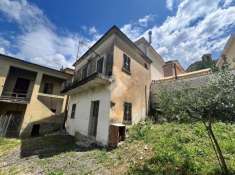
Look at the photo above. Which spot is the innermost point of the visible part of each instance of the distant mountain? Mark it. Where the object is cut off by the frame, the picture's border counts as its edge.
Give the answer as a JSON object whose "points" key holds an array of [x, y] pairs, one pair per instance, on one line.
{"points": [[206, 62]]}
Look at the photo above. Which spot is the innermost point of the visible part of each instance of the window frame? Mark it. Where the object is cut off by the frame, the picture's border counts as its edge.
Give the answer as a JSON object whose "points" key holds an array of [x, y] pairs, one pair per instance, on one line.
{"points": [[73, 111], [126, 67], [127, 113], [100, 59]]}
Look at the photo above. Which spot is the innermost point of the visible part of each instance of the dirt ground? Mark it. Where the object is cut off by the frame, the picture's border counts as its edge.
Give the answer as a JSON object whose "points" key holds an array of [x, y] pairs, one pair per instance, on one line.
{"points": [[59, 155]]}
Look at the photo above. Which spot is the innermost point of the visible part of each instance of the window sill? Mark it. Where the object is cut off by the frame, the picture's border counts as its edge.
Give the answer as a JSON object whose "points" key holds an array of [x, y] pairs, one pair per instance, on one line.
{"points": [[126, 71]]}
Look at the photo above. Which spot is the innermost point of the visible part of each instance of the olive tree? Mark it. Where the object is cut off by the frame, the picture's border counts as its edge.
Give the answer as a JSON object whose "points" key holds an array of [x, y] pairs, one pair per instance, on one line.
{"points": [[212, 101]]}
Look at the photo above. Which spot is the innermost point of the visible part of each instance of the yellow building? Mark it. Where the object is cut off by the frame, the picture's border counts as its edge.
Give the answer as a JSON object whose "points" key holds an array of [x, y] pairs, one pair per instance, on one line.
{"points": [[30, 98]]}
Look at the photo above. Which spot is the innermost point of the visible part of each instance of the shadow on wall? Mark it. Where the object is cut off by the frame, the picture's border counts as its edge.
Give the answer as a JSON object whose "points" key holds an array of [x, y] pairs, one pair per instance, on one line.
{"points": [[44, 126], [36, 145]]}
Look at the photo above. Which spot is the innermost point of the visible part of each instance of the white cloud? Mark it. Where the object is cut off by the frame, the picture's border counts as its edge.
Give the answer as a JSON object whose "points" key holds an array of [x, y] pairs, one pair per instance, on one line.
{"points": [[40, 41], [92, 30], [2, 50], [198, 27], [145, 20], [135, 30], [131, 31], [228, 3], [169, 4], [27, 15]]}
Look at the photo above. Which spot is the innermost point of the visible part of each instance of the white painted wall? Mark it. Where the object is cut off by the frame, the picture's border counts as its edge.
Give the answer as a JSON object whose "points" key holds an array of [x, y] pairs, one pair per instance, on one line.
{"points": [[156, 66], [157, 61], [81, 121]]}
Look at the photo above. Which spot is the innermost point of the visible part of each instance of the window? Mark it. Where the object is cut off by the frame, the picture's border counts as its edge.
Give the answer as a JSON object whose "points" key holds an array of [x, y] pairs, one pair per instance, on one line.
{"points": [[84, 72], [100, 65], [127, 113], [48, 88], [126, 63], [146, 66], [73, 111]]}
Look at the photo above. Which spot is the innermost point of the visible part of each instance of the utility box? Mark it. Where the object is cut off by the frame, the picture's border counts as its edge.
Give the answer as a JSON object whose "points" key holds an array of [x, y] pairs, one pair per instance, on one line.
{"points": [[117, 133]]}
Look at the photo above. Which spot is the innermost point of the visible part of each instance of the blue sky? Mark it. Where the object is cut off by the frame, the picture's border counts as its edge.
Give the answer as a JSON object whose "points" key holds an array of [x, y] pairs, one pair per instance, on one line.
{"points": [[49, 32]]}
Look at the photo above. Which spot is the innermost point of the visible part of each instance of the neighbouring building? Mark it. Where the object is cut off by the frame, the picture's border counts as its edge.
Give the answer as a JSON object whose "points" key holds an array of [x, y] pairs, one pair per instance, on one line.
{"points": [[228, 54], [30, 97], [172, 68], [110, 87]]}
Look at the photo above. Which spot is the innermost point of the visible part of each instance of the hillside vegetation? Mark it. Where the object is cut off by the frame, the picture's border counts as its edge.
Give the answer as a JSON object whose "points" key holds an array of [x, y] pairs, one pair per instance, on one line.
{"points": [[150, 149]]}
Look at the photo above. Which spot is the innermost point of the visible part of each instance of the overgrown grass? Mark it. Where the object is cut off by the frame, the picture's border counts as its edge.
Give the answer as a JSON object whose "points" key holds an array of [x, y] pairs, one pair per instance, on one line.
{"points": [[183, 148], [7, 145], [168, 148]]}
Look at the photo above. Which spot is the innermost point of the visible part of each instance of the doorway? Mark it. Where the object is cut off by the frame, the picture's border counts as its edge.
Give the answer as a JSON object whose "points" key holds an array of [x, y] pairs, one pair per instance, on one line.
{"points": [[93, 118], [35, 130]]}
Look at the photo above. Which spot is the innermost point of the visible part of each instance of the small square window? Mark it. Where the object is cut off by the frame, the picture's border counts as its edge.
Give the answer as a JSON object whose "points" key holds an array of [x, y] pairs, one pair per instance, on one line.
{"points": [[73, 111]]}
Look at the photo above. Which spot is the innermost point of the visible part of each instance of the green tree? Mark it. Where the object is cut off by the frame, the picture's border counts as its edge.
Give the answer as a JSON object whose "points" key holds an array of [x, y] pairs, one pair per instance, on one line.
{"points": [[212, 101]]}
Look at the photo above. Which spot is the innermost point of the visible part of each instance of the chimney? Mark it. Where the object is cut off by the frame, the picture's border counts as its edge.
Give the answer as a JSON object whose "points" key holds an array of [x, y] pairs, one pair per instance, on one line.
{"points": [[150, 37]]}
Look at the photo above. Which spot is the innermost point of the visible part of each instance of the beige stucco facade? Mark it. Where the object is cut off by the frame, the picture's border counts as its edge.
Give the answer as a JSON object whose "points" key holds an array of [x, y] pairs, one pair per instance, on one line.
{"points": [[120, 87], [132, 88], [33, 110]]}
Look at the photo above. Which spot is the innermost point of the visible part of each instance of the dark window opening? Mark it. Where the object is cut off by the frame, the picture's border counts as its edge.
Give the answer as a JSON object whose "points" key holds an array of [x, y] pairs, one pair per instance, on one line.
{"points": [[21, 87], [100, 65], [146, 66], [73, 111], [48, 88], [126, 63], [35, 130], [53, 110], [109, 65], [127, 119], [122, 134]]}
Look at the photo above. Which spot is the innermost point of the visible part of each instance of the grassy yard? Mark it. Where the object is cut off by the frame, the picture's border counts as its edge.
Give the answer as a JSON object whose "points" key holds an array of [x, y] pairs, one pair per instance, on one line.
{"points": [[183, 148], [7, 145], [168, 148]]}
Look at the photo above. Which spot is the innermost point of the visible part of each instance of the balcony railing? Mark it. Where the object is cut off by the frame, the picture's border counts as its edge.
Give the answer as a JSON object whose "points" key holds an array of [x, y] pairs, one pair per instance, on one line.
{"points": [[93, 69], [14, 97]]}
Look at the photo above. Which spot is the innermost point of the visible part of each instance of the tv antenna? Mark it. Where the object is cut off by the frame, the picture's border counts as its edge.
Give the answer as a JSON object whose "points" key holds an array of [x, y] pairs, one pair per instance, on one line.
{"points": [[80, 44]]}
